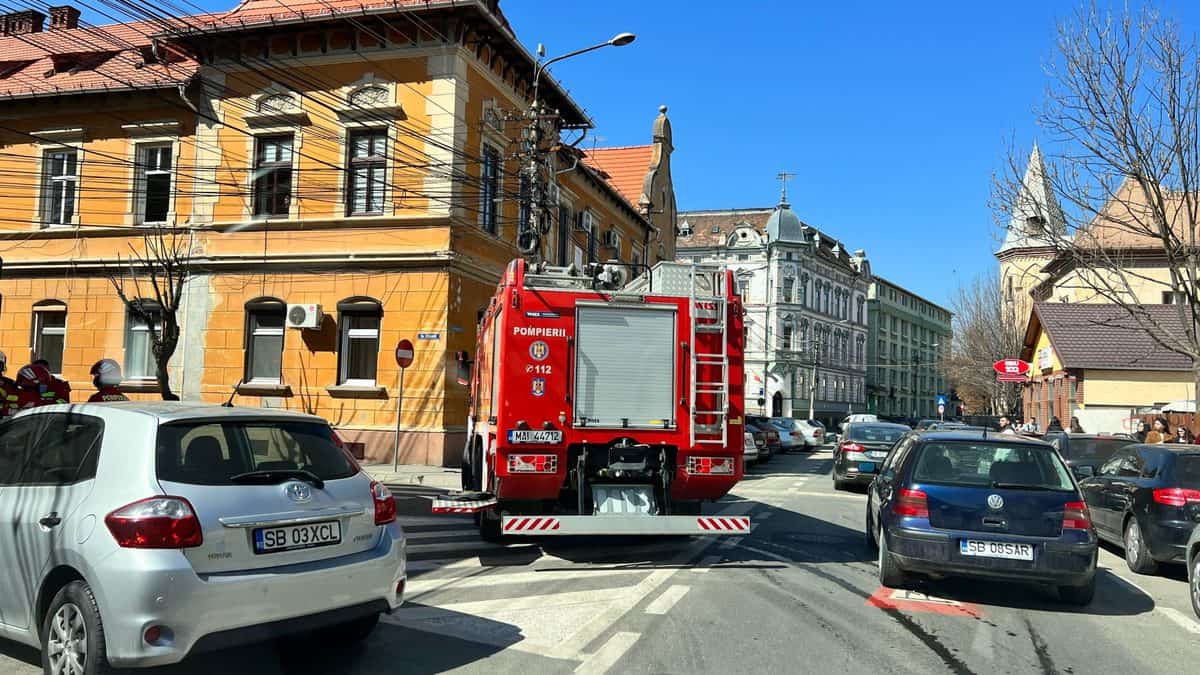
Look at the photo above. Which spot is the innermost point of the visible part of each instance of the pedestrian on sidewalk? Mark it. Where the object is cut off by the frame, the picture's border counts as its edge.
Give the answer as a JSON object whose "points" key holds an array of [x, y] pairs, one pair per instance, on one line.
{"points": [[1142, 431], [1006, 426], [1075, 426], [1160, 432], [1055, 425], [1183, 435]]}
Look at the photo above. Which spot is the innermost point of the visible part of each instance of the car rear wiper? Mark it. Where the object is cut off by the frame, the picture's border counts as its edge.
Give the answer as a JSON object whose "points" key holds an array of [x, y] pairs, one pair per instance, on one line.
{"points": [[1021, 486], [268, 476]]}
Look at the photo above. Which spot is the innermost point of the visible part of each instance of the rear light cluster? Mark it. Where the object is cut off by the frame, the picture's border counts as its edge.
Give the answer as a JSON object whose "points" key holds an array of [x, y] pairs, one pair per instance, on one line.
{"points": [[532, 463], [773, 436], [710, 466], [1076, 516], [1176, 496], [385, 503], [156, 522], [911, 503], [853, 451]]}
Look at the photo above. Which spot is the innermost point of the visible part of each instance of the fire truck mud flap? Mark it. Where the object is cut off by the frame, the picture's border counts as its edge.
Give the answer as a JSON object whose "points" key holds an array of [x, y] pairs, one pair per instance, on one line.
{"points": [[540, 526], [463, 502]]}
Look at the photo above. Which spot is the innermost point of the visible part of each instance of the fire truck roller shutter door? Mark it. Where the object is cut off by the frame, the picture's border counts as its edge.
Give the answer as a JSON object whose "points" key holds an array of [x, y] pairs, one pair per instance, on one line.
{"points": [[625, 365]]}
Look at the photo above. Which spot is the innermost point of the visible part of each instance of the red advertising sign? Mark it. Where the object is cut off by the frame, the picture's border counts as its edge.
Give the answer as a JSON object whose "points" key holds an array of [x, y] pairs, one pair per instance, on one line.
{"points": [[1011, 367], [404, 353]]}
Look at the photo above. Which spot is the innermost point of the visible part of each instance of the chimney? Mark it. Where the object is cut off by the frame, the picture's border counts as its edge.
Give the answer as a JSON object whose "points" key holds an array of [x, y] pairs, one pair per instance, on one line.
{"points": [[24, 22], [64, 17]]}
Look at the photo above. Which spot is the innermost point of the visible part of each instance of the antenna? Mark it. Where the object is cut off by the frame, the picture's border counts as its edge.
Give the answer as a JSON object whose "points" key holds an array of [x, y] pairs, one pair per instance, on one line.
{"points": [[783, 177]]}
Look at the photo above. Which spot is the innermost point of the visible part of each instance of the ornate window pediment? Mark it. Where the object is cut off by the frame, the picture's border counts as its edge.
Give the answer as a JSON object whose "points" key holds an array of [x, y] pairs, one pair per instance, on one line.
{"points": [[278, 103], [277, 109], [369, 97]]}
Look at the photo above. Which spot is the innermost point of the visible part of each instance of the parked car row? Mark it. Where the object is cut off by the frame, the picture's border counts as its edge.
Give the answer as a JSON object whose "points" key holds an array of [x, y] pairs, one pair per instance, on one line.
{"points": [[962, 503], [774, 435], [135, 534]]}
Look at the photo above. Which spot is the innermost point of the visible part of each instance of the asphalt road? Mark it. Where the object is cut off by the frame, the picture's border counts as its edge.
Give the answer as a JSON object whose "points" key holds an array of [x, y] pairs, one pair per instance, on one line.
{"points": [[798, 594]]}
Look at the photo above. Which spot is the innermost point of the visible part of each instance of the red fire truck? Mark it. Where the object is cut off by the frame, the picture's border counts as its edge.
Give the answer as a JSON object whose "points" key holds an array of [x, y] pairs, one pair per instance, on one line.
{"points": [[604, 406]]}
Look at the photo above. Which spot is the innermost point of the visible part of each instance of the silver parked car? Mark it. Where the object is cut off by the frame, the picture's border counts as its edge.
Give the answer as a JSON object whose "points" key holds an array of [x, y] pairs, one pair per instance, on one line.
{"points": [[134, 534], [749, 451]]}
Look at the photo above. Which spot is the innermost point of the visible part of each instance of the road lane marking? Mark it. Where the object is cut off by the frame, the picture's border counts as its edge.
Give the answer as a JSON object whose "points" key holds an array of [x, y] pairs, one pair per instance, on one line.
{"points": [[663, 603], [607, 656], [414, 538], [422, 586], [1179, 618], [912, 601]]}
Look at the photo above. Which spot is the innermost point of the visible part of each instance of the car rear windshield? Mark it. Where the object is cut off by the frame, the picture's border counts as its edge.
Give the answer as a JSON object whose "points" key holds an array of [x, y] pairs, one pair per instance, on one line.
{"points": [[1188, 470], [213, 453], [870, 434], [991, 464], [785, 423], [1094, 448]]}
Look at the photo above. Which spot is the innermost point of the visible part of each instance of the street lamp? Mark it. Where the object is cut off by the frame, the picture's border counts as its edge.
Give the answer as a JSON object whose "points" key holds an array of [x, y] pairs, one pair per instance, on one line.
{"points": [[618, 40]]}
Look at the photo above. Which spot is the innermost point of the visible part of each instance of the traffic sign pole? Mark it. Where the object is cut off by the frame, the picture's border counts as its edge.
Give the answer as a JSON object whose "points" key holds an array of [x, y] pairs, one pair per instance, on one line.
{"points": [[404, 359]]}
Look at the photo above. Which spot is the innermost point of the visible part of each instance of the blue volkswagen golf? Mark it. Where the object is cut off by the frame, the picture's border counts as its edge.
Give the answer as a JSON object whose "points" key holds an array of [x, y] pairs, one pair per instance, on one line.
{"points": [[977, 504]]}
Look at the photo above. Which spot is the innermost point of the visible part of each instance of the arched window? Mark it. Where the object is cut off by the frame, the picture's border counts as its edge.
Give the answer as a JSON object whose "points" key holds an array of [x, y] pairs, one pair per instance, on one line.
{"points": [[367, 97], [804, 289], [50, 333], [263, 340], [358, 343]]}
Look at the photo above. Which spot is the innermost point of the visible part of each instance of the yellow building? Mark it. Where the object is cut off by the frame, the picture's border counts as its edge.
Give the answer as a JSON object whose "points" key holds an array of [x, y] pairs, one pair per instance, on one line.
{"points": [[356, 157], [1091, 361]]}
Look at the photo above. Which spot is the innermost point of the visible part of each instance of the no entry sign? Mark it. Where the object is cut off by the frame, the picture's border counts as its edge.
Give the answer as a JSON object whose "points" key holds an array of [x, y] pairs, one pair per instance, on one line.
{"points": [[1011, 367], [404, 353]]}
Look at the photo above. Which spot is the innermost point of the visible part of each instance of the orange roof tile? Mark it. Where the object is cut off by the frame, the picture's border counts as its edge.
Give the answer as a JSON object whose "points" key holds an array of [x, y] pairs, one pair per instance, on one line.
{"points": [[624, 168]]}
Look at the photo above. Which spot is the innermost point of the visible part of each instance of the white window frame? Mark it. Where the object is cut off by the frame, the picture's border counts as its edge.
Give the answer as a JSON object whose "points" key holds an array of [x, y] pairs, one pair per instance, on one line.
{"points": [[141, 183], [348, 180], [347, 337], [40, 329], [48, 181], [256, 331], [497, 201], [131, 326]]}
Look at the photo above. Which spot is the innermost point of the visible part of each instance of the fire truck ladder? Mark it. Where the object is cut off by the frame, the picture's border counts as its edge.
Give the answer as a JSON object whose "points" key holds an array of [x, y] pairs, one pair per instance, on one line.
{"points": [[713, 430]]}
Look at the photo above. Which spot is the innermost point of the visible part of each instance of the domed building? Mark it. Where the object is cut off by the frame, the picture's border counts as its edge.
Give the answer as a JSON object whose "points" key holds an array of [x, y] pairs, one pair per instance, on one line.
{"points": [[805, 295]]}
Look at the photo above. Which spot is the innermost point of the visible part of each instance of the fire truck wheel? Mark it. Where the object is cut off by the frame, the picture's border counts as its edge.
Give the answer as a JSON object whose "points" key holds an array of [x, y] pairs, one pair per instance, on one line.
{"points": [[489, 526]]}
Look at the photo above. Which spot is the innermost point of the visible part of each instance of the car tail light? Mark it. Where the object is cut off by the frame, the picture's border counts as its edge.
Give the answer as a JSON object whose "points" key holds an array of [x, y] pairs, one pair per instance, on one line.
{"points": [[772, 436], [854, 451], [817, 434], [1176, 496], [385, 503], [710, 466], [532, 463], [156, 522], [1076, 516], [911, 503]]}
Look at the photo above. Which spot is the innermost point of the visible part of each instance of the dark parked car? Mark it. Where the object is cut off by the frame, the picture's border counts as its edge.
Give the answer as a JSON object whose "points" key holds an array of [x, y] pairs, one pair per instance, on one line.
{"points": [[996, 506], [1146, 498], [863, 448], [1085, 453], [1193, 569], [756, 424]]}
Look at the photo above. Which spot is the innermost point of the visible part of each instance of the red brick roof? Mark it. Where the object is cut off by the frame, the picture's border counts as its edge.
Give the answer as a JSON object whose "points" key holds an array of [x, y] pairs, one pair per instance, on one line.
{"points": [[624, 168]]}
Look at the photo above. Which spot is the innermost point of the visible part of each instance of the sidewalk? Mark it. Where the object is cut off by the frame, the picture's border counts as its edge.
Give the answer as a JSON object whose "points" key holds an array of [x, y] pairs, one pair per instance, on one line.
{"points": [[437, 477]]}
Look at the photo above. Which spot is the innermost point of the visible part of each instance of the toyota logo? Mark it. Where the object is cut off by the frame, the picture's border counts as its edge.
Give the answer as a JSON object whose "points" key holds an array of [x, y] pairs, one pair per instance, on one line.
{"points": [[996, 502], [298, 492]]}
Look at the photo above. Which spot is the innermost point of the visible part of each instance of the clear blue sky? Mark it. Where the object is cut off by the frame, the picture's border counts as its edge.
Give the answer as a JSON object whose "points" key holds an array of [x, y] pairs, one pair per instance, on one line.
{"points": [[893, 115]]}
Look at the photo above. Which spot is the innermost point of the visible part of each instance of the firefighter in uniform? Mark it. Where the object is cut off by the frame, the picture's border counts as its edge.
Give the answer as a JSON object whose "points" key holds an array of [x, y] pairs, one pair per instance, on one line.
{"points": [[8, 390], [34, 387], [106, 375], [57, 384]]}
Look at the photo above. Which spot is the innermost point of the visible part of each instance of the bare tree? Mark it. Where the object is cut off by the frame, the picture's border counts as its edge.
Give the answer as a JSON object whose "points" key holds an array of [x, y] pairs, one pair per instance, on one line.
{"points": [[1122, 109], [150, 282], [985, 331]]}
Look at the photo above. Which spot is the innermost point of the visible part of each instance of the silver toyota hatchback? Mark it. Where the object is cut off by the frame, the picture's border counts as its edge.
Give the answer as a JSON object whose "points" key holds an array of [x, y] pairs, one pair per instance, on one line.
{"points": [[134, 534]]}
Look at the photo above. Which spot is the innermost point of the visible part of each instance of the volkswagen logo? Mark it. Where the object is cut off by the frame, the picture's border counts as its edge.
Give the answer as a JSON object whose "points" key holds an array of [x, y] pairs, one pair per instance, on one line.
{"points": [[996, 502], [298, 492]]}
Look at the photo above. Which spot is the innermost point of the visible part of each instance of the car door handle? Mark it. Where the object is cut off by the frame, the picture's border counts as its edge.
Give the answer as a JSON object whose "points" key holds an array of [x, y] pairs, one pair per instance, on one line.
{"points": [[51, 520]]}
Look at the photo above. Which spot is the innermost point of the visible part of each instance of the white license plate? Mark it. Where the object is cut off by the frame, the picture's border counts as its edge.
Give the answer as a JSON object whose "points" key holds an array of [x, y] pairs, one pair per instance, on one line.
{"points": [[877, 454], [996, 549], [535, 436], [294, 537]]}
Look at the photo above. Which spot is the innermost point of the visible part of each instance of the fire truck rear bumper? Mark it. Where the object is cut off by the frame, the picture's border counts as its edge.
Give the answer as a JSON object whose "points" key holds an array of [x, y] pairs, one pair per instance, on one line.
{"points": [[541, 526]]}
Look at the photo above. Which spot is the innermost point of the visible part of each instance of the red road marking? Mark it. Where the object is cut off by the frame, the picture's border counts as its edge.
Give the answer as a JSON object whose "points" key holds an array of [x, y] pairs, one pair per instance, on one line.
{"points": [[887, 598]]}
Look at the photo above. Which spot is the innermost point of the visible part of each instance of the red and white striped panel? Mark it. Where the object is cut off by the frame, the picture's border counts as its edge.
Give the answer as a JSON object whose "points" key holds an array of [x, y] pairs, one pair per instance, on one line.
{"points": [[531, 524], [457, 506], [724, 524]]}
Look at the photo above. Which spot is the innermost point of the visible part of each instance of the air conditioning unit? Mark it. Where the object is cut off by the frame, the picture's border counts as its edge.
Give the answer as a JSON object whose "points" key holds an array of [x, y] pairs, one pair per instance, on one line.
{"points": [[583, 221], [304, 316], [612, 239]]}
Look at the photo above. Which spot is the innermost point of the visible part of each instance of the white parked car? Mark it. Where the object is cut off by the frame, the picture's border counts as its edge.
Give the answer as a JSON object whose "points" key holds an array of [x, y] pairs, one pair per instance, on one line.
{"points": [[856, 418], [135, 534], [750, 451]]}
